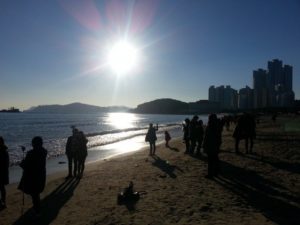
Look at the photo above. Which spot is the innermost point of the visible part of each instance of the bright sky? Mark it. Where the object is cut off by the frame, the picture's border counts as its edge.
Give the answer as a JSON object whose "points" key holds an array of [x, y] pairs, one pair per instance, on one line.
{"points": [[55, 52]]}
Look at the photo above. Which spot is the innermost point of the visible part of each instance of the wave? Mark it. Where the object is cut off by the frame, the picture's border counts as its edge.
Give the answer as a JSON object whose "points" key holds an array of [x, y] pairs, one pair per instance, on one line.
{"points": [[56, 147]]}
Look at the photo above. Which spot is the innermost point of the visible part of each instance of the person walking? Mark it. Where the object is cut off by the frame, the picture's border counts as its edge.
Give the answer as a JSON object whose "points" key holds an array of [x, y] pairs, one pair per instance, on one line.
{"points": [[4, 178], [34, 173], [211, 145], [151, 138]]}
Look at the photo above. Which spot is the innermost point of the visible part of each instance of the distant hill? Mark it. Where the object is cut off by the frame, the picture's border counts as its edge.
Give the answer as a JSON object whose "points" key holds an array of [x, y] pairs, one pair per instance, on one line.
{"points": [[163, 106], [75, 108]]}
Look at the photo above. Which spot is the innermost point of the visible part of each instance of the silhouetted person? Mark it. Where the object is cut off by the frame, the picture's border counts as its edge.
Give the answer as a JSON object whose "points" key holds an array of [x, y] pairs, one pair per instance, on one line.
{"points": [[151, 138], [167, 138], [245, 129], [186, 135], [81, 154], [200, 133], [193, 134], [211, 145], [70, 152], [4, 178], [34, 173]]}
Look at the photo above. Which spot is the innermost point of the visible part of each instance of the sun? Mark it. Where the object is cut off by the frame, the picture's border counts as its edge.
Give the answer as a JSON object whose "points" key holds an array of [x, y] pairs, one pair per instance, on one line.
{"points": [[122, 57]]}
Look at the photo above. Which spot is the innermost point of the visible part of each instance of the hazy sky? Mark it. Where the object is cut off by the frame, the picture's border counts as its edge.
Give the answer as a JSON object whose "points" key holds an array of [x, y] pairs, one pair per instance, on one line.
{"points": [[54, 52]]}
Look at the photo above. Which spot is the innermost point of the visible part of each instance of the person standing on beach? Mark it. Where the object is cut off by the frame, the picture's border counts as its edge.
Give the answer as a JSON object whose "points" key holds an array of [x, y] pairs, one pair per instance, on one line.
{"points": [[193, 134], [151, 138], [70, 153], [4, 178], [81, 155], [167, 138], [245, 129], [186, 135], [34, 173], [200, 132], [211, 144]]}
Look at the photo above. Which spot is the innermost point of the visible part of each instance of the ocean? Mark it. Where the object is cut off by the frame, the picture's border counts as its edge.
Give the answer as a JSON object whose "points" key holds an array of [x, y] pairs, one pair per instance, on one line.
{"points": [[102, 130]]}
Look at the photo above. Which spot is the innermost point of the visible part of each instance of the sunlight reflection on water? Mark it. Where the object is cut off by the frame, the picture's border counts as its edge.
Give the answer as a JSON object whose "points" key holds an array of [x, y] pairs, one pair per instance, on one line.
{"points": [[121, 120]]}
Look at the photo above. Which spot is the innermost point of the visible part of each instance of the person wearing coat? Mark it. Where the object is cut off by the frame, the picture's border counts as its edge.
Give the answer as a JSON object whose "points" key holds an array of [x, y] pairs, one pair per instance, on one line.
{"points": [[211, 144], [151, 138], [4, 178], [34, 172], [81, 154]]}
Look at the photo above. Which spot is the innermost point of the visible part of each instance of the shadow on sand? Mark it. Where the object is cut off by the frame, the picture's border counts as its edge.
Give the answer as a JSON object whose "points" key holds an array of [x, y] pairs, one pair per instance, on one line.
{"points": [[164, 166], [173, 148], [51, 204], [273, 200]]}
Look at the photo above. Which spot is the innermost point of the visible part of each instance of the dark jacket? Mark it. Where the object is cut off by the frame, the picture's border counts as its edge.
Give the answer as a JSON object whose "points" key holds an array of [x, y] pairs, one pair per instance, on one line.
{"points": [[69, 146], [4, 164], [245, 127], [34, 172], [212, 138], [151, 135]]}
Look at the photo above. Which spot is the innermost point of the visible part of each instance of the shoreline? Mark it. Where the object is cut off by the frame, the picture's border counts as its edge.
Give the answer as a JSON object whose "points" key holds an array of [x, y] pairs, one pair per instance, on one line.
{"points": [[261, 188]]}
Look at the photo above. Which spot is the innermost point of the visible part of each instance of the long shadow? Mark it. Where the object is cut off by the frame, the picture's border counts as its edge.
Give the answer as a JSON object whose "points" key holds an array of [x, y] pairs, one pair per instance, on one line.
{"points": [[173, 149], [266, 196], [279, 164], [51, 204], [165, 166]]}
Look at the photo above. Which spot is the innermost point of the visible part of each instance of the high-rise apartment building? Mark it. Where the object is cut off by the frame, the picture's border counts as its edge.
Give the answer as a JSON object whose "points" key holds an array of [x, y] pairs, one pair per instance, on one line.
{"points": [[260, 88], [245, 98], [225, 96], [273, 88]]}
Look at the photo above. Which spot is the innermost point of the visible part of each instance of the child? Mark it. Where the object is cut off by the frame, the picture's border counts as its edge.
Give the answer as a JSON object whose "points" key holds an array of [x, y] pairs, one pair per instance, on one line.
{"points": [[167, 138]]}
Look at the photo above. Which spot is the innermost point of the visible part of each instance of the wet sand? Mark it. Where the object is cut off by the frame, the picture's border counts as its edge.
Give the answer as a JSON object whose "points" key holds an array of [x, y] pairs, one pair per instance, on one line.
{"points": [[261, 188]]}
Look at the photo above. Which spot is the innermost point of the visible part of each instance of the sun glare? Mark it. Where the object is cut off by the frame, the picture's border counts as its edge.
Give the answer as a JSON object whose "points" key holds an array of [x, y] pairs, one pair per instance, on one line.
{"points": [[122, 57], [121, 120]]}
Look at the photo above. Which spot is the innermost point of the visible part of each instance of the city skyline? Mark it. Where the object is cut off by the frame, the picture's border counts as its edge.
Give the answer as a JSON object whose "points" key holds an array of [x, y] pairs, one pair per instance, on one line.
{"points": [[52, 52]]}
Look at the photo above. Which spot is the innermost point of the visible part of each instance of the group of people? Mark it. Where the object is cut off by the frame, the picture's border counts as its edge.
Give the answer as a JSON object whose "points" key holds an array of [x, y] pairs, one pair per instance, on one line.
{"points": [[76, 151], [193, 135], [33, 179]]}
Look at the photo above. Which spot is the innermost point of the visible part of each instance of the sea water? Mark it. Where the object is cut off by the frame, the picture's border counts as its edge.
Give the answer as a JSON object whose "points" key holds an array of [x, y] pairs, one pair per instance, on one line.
{"points": [[111, 133]]}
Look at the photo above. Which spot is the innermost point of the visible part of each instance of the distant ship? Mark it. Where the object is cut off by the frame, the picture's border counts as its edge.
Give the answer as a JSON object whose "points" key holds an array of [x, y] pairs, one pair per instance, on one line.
{"points": [[10, 110]]}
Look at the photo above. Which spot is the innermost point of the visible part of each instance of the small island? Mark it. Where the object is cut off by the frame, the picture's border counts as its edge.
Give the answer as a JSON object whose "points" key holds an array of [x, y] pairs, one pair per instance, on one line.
{"points": [[10, 110]]}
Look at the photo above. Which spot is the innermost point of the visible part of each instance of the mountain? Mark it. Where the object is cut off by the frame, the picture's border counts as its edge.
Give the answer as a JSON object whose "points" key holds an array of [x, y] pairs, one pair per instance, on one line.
{"points": [[75, 108], [163, 106]]}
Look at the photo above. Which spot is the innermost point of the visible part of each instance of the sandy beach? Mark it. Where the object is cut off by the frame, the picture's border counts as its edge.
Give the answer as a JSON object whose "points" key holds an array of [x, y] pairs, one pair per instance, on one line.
{"points": [[261, 188]]}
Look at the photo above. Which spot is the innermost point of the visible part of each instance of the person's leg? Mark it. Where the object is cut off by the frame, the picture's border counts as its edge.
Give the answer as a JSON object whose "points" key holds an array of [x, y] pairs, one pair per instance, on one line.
{"points": [[150, 148], [187, 146], [216, 165], [3, 194], [75, 159], [70, 165], [36, 203], [154, 148]]}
